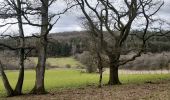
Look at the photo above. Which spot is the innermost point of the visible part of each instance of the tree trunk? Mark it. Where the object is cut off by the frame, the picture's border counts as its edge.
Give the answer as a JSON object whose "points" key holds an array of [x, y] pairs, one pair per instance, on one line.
{"points": [[40, 71], [18, 88], [101, 77], [113, 76], [42, 46], [100, 67], [7, 86]]}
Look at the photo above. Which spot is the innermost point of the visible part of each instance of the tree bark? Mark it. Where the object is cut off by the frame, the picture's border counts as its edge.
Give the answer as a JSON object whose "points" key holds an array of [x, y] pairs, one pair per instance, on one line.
{"points": [[100, 78], [7, 86], [18, 88], [40, 71], [114, 75], [100, 67], [42, 46]]}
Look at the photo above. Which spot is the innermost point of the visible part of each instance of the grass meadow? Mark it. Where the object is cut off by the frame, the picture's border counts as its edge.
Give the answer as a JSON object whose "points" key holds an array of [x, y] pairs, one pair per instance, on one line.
{"points": [[62, 77], [59, 62], [69, 78]]}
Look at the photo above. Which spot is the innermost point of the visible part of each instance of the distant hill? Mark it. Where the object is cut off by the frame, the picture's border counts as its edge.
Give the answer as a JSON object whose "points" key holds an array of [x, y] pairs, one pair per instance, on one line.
{"points": [[70, 43]]}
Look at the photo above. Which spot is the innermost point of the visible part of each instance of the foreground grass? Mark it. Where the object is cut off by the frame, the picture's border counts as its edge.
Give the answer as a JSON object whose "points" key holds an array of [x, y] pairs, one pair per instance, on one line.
{"points": [[60, 78]]}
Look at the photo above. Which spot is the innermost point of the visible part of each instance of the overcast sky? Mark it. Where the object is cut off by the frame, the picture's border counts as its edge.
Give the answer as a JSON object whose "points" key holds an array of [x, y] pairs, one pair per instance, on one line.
{"points": [[71, 22]]}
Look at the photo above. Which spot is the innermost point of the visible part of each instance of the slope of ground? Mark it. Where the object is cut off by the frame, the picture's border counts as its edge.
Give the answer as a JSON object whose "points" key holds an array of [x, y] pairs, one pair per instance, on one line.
{"points": [[59, 62]]}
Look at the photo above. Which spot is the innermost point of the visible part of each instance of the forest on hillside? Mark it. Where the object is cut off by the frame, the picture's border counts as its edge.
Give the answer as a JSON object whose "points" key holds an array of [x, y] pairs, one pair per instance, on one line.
{"points": [[76, 44]]}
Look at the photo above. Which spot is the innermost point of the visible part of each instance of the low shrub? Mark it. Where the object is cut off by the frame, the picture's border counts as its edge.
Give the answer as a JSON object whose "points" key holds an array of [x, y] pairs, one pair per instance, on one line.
{"points": [[150, 61], [88, 61], [68, 66]]}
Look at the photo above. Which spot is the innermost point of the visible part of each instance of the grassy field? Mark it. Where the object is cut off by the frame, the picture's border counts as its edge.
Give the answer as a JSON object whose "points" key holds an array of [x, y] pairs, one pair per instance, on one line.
{"points": [[67, 78], [60, 62]]}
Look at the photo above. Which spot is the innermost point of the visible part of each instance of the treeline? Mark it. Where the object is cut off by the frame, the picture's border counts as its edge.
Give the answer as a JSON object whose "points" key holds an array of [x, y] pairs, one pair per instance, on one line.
{"points": [[64, 44], [70, 43]]}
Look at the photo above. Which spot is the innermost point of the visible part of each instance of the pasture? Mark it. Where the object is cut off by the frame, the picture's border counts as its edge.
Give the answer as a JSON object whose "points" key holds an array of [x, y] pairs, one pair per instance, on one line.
{"points": [[56, 79], [62, 82], [59, 62]]}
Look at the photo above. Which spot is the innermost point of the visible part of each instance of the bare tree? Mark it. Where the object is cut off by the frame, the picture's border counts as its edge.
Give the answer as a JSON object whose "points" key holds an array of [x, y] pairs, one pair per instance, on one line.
{"points": [[115, 20], [27, 9], [42, 46], [7, 85], [18, 89], [12, 9], [46, 25], [95, 47]]}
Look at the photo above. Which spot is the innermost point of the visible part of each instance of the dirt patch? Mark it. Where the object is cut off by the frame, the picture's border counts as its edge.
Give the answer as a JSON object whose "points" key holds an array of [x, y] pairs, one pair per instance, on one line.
{"points": [[148, 91]]}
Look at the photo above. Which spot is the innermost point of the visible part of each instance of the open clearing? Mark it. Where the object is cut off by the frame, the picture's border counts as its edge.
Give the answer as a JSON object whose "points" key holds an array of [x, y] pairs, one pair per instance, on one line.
{"points": [[67, 84], [59, 62]]}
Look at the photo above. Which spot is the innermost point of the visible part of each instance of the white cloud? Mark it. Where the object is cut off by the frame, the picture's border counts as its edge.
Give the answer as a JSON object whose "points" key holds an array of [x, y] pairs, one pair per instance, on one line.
{"points": [[68, 28]]}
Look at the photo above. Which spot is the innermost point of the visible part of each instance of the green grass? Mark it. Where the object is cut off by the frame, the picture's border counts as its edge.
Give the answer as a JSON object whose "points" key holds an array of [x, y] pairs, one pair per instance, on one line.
{"points": [[56, 79], [61, 62]]}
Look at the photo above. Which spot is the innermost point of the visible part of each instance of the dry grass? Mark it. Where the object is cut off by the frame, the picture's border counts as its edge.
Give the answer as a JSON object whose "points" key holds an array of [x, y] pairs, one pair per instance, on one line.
{"points": [[159, 90], [12, 63], [59, 62]]}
